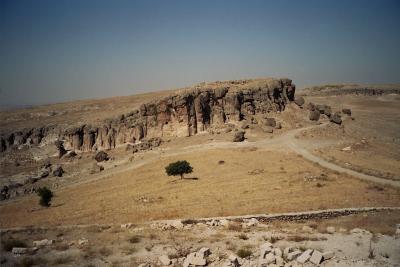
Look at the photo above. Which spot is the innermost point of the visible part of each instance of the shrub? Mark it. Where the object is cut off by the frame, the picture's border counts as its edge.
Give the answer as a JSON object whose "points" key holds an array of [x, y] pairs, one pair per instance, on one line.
{"points": [[45, 195], [243, 236], [178, 168], [244, 253], [134, 239]]}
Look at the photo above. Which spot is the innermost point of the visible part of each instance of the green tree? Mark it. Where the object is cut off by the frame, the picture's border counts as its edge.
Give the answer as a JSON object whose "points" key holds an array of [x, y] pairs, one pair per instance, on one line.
{"points": [[178, 168], [45, 195]]}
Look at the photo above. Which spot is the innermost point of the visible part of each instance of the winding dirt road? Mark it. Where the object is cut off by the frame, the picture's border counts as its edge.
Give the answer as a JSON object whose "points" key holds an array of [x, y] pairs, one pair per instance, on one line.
{"points": [[286, 140]]}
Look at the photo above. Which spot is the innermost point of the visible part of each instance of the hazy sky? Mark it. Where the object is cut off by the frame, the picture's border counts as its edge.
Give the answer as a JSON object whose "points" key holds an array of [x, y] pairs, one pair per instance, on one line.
{"points": [[53, 51]]}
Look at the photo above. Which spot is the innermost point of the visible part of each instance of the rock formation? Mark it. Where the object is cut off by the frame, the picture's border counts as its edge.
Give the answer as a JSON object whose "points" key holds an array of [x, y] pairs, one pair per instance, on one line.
{"points": [[188, 112]]}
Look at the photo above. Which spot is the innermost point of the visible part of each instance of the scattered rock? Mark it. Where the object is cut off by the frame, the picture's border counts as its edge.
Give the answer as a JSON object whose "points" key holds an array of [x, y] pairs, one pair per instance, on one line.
{"points": [[42, 243], [70, 154], [60, 148], [239, 136], [245, 125], [303, 258], [270, 122], [101, 156], [346, 111], [328, 255], [336, 118], [314, 115], [58, 171], [19, 251], [299, 100], [324, 109], [330, 230], [293, 255], [165, 260], [267, 129], [96, 168], [307, 229], [194, 259], [233, 261], [127, 225], [347, 148], [83, 241], [44, 173], [316, 257]]}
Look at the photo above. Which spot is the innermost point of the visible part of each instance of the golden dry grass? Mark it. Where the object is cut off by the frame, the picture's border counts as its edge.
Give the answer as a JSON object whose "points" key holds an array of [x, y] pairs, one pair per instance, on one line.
{"points": [[221, 189]]}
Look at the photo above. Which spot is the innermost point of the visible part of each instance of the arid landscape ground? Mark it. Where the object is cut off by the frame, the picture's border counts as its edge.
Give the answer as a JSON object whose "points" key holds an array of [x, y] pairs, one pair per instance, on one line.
{"points": [[126, 211]]}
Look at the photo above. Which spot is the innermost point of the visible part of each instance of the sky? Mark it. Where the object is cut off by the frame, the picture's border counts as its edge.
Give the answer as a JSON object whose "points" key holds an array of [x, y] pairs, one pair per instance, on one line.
{"points": [[61, 50]]}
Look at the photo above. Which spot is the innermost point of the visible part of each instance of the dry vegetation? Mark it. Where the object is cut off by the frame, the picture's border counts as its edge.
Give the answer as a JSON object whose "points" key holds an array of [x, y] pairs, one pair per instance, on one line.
{"points": [[121, 197]]}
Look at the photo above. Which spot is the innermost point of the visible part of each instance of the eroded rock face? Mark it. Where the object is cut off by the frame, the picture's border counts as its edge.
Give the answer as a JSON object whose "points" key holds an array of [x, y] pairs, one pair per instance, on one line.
{"points": [[185, 113]]}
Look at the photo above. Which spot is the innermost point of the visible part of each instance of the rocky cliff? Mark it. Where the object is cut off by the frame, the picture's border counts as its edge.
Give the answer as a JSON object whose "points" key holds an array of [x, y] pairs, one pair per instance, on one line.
{"points": [[185, 113]]}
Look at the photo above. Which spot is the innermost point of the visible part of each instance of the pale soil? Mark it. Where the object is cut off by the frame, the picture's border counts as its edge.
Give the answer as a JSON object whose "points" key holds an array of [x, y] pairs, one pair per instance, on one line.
{"points": [[109, 245], [270, 182], [76, 112], [377, 121]]}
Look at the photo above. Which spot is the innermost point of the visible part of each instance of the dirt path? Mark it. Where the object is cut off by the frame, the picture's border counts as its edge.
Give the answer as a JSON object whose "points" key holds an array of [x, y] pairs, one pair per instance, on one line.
{"points": [[287, 140]]}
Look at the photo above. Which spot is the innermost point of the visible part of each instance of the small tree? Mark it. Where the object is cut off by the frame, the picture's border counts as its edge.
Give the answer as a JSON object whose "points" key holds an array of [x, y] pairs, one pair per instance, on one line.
{"points": [[45, 195], [178, 168]]}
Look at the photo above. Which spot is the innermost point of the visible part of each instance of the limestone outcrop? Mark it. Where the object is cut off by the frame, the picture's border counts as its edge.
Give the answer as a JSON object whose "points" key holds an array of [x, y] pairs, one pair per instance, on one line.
{"points": [[186, 113]]}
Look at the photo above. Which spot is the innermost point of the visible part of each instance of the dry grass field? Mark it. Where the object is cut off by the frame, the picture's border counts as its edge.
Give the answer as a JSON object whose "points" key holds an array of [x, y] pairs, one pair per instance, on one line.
{"points": [[248, 181]]}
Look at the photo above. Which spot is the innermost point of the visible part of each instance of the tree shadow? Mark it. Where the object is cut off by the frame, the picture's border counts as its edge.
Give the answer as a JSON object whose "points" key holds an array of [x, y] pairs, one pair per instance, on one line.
{"points": [[183, 179]]}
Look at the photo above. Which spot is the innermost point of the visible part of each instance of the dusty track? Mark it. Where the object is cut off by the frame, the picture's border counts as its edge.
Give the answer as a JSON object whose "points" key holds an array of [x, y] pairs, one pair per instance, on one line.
{"points": [[287, 140]]}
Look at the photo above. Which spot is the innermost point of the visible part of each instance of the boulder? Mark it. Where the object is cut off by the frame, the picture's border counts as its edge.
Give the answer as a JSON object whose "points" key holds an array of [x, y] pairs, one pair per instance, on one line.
{"points": [[70, 154], [293, 255], [96, 168], [60, 148], [44, 173], [305, 256], [278, 125], [314, 115], [165, 260], [19, 251], [330, 230], [270, 122], [83, 241], [327, 255], [127, 225], [245, 125], [336, 118], [58, 171], [194, 259], [316, 257], [346, 111], [324, 109], [177, 224], [299, 101], [101, 156], [233, 261], [267, 129], [239, 136], [203, 252], [265, 249], [31, 180], [42, 243], [310, 106]]}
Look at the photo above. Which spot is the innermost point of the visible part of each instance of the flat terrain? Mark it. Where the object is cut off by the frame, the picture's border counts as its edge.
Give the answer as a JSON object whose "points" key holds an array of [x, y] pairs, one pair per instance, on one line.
{"points": [[270, 182]]}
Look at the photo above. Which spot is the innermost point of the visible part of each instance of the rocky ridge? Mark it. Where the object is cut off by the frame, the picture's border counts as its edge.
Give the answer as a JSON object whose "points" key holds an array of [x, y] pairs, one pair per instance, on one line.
{"points": [[350, 89], [188, 112]]}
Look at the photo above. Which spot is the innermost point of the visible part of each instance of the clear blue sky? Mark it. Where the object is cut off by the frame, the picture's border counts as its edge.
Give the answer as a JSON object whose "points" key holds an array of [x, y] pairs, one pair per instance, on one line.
{"points": [[55, 50]]}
